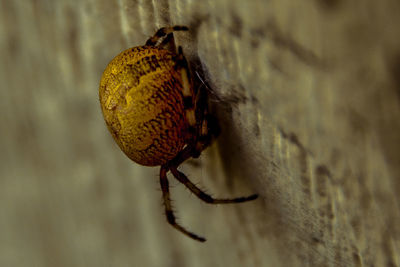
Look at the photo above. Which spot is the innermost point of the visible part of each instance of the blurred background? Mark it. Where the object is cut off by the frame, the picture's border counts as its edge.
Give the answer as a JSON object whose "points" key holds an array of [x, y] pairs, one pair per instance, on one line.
{"points": [[308, 97]]}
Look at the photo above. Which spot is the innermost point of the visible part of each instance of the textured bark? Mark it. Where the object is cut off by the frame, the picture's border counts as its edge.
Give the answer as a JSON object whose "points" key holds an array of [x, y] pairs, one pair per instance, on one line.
{"points": [[308, 96]]}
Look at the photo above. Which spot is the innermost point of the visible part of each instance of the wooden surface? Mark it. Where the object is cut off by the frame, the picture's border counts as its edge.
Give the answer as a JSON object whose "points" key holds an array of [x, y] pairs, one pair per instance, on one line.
{"points": [[308, 96]]}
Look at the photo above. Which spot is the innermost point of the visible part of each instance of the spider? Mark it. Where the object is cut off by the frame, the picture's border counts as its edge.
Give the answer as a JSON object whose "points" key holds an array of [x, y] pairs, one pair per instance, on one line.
{"points": [[156, 116]]}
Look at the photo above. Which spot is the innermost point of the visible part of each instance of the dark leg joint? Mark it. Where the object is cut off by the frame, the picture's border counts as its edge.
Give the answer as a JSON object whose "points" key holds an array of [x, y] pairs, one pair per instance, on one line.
{"points": [[163, 32], [170, 217], [206, 198], [188, 102], [180, 28], [196, 154]]}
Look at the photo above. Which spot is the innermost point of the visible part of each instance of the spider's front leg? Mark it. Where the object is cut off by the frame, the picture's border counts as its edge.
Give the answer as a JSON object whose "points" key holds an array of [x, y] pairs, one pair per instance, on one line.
{"points": [[164, 31]]}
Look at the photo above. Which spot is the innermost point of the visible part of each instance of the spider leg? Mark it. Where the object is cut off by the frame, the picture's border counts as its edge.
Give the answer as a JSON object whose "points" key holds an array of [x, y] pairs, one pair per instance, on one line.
{"points": [[168, 207], [188, 97], [202, 126], [167, 40], [181, 177], [209, 130], [152, 41]]}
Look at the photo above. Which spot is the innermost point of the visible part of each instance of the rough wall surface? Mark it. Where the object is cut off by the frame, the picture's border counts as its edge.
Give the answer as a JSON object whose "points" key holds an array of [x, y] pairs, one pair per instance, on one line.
{"points": [[308, 96]]}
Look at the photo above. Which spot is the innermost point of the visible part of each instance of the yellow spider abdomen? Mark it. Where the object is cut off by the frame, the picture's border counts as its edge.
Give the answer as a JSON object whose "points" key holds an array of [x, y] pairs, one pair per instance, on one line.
{"points": [[142, 103]]}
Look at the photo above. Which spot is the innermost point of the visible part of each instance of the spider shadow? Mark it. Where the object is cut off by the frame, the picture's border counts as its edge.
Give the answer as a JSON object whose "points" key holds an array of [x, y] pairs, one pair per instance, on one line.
{"points": [[244, 170]]}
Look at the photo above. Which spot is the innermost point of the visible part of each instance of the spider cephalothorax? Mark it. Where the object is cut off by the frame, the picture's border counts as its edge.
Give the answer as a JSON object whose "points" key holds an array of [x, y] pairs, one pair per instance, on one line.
{"points": [[155, 115]]}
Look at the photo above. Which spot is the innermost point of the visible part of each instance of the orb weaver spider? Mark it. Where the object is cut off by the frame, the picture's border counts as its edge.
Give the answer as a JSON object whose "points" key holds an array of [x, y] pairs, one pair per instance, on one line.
{"points": [[156, 117]]}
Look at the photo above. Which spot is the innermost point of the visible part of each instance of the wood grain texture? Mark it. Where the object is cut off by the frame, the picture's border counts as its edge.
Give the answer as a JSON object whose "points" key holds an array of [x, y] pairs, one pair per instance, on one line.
{"points": [[308, 95]]}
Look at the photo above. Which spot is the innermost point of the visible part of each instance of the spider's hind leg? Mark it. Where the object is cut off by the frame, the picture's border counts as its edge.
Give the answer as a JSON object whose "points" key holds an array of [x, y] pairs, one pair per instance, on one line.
{"points": [[181, 177], [168, 207]]}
